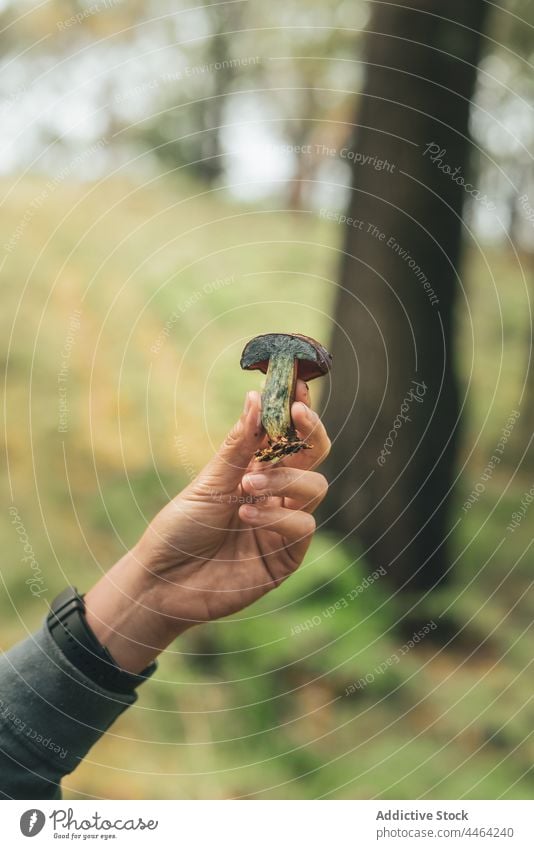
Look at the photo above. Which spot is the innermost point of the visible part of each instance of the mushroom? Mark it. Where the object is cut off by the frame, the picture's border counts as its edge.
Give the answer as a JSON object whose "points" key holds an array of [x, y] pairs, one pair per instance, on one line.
{"points": [[283, 357]]}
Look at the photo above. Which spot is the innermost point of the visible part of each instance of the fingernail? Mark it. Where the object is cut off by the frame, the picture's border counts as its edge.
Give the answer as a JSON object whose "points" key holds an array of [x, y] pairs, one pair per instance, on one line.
{"points": [[248, 402], [251, 512], [312, 416], [258, 481]]}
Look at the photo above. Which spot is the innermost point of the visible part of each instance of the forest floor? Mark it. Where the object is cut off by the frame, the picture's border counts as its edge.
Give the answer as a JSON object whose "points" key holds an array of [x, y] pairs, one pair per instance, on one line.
{"points": [[132, 305]]}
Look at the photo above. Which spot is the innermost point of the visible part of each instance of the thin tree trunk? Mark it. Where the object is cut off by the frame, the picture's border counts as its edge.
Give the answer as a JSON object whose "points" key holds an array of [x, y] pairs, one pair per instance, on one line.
{"points": [[394, 410]]}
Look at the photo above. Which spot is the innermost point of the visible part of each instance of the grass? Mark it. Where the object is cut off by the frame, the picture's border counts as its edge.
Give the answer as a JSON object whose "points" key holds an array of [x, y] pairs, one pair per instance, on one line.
{"points": [[169, 282]]}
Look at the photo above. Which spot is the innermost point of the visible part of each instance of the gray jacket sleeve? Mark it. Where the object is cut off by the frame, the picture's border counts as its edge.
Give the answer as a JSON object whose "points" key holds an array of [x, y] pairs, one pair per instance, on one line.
{"points": [[50, 716]]}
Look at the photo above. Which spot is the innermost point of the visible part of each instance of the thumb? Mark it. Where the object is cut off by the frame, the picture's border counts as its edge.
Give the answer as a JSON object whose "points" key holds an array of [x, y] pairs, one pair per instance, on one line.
{"points": [[224, 472]]}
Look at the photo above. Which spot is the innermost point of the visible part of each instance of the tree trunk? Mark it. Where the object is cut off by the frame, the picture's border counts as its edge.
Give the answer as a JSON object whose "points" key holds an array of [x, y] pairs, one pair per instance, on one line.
{"points": [[394, 411]]}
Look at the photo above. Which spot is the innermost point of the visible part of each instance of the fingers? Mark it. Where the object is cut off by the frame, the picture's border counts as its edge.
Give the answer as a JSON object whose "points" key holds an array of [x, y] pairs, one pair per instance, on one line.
{"points": [[302, 393], [302, 489], [224, 472], [295, 527], [310, 428]]}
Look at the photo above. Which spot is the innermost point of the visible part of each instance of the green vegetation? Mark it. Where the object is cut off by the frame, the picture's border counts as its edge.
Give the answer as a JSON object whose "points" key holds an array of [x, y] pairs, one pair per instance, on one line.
{"points": [[167, 282]]}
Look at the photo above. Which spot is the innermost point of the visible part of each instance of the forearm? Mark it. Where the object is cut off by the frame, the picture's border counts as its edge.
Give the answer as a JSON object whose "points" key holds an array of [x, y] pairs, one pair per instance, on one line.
{"points": [[50, 716], [51, 713], [124, 611]]}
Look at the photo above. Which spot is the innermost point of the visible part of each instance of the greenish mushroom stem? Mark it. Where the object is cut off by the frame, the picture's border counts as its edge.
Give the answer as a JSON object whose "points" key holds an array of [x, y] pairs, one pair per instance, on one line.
{"points": [[277, 398]]}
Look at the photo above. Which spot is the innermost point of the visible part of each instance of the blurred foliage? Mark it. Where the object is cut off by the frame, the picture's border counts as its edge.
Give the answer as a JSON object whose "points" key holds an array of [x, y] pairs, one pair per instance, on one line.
{"points": [[180, 87], [143, 76], [251, 706]]}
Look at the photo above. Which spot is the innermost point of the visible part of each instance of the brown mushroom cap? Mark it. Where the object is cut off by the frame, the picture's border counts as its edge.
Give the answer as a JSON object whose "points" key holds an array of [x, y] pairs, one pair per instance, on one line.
{"points": [[312, 358]]}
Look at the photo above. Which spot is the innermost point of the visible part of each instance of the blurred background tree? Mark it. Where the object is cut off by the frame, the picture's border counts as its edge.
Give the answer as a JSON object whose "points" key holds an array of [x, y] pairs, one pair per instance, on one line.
{"points": [[399, 278]]}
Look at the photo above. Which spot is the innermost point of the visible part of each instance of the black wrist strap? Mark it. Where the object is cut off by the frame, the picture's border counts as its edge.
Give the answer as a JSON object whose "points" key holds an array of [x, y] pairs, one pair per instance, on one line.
{"points": [[71, 632]]}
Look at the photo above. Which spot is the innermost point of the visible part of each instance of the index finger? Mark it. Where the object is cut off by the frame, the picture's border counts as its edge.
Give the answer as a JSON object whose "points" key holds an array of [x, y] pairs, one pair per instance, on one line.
{"points": [[302, 393], [310, 428]]}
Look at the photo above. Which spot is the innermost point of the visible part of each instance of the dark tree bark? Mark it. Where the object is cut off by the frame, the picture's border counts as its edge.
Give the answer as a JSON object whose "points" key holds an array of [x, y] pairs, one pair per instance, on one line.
{"points": [[392, 463]]}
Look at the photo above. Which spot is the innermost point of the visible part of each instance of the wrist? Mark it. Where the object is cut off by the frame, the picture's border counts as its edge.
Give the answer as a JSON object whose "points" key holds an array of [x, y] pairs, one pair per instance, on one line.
{"points": [[123, 612], [67, 625]]}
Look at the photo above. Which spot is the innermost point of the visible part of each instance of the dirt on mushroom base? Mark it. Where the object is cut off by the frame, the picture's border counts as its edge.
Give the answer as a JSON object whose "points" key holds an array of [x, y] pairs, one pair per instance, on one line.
{"points": [[276, 451]]}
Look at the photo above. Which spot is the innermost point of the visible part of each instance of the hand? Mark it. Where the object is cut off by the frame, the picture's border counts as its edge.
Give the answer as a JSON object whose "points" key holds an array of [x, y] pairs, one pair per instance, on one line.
{"points": [[222, 543]]}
